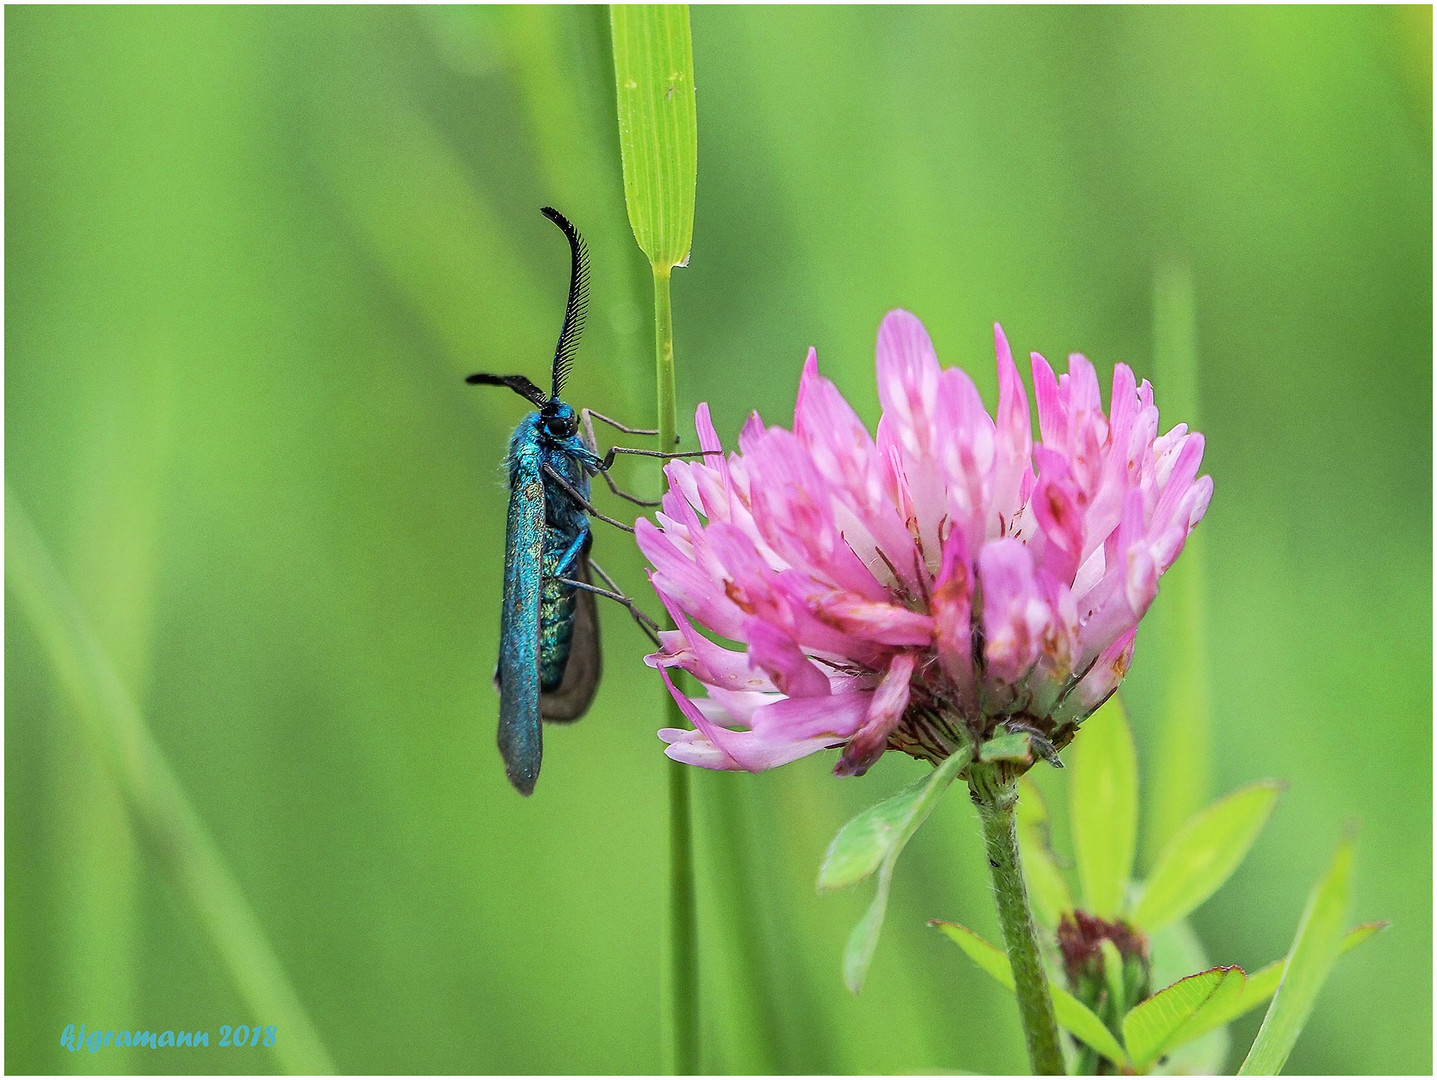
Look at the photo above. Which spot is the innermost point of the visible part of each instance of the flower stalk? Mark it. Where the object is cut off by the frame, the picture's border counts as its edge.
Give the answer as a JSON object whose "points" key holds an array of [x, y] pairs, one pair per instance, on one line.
{"points": [[997, 798]]}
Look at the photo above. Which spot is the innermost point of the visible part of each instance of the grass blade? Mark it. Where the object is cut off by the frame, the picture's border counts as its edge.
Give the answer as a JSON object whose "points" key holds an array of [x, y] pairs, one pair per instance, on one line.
{"points": [[161, 810], [658, 126], [659, 148], [1182, 761], [1314, 950]]}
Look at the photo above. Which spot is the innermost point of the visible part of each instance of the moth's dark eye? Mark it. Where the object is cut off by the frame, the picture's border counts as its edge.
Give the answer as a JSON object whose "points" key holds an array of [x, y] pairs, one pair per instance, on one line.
{"points": [[560, 427]]}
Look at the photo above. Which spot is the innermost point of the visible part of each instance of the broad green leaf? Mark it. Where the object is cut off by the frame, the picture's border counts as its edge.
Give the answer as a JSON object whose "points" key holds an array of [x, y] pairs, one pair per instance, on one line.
{"points": [[658, 126], [1314, 950], [860, 845], [1159, 1023], [1262, 984], [1047, 888], [1071, 1013], [887, 834], [1010, 747], [1204, 854], [1103, 797]]}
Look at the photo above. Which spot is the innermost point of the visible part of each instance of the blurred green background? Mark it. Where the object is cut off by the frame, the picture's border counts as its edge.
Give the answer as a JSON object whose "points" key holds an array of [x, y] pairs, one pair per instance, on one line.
{"points": [[250, 254]]}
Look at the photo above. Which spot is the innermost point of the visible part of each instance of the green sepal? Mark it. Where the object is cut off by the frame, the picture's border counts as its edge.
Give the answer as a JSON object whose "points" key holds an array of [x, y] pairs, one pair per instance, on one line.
{"points": [[1012, 746]]}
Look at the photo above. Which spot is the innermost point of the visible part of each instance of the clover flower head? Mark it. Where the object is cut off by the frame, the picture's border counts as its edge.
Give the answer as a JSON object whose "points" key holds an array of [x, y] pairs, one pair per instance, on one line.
{"points": [[916, 589]]}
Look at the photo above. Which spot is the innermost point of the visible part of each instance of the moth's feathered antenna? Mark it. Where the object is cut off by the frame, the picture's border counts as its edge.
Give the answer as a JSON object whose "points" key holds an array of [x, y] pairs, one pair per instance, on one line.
{"points": [[517, 383], [578, 299]]}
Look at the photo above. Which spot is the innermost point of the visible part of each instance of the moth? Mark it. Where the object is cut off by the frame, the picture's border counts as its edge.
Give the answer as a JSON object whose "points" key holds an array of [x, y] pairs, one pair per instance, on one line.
{"points": [[549, 655]]}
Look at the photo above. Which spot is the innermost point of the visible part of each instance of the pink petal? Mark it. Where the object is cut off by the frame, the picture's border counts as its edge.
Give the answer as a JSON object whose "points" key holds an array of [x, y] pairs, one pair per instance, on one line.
{"points": [[1014, 437], [774, 652], [1055, 504], [1104, 677], [908, 376], [1082, 380], [914, 392], [711, 664], [679, 579], [1052, 416], [845, 454], [885, 710], [952, 606], [722, 739], [1015, 614], [692, 747], [793, 510], [884, 624], [832, 718]]}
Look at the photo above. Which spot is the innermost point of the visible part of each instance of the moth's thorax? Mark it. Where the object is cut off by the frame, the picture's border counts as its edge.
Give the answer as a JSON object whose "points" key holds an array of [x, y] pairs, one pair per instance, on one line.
{"points": [[532, 447]]}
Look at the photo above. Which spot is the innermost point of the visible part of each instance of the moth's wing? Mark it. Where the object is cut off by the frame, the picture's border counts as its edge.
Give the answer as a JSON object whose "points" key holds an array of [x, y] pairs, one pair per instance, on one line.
{"points": [[581, 675], [520, 740]]}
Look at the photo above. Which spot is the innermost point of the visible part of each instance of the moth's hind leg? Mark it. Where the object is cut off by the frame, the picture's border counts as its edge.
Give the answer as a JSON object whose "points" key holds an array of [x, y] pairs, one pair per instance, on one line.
{"points": [[614, 593]]}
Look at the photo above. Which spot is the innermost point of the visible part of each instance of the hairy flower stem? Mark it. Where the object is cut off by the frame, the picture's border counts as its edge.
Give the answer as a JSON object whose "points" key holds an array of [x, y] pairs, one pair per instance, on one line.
{"points": [[683, 909], [997, 800]]}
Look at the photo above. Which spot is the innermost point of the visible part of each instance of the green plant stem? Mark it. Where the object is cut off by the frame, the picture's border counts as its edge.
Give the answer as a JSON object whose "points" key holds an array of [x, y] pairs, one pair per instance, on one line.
{"points": [[997, 800], [683, 907], [664, 360], [683, 922]]}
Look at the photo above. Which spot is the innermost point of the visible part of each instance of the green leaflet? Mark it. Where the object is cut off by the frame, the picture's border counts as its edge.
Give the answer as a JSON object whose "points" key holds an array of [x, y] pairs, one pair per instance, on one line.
{"points": [[860, 846], [873, 841], [1176, 952], [1103, 796], [1204, 854], [1162, 1021]]}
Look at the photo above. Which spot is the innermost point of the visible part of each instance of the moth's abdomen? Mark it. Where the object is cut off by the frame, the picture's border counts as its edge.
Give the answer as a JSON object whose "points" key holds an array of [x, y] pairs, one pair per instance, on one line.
{"points": [[556, 615]]}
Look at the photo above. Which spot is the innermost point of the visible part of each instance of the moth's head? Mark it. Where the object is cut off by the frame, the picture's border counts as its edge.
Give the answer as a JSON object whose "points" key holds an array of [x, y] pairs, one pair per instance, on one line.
{"points": [[559, 419]]}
